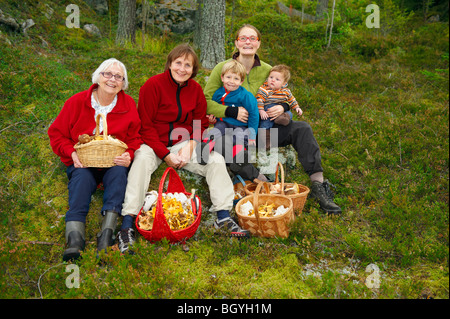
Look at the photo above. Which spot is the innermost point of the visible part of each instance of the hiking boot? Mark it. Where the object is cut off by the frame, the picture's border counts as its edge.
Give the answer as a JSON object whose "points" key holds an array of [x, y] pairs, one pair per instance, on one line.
{"points": [[323, 194], [230, 226], [284, 119], [75, 234], [126, 239], [105, 238]]}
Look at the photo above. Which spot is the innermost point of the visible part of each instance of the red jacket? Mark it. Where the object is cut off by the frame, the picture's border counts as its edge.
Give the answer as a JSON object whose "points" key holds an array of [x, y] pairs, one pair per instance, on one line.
{"points": [[166, 109], [77, 118]]}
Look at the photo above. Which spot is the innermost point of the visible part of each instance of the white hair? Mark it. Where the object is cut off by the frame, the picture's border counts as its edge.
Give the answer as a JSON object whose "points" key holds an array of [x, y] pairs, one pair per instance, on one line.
{"points": [[105, 65]]}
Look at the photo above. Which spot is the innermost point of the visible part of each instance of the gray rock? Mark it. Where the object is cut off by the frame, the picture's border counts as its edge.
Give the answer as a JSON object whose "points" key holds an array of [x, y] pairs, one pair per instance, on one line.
{"points": [[175, 15], [27, 24], [10, 22], [92, 29]]}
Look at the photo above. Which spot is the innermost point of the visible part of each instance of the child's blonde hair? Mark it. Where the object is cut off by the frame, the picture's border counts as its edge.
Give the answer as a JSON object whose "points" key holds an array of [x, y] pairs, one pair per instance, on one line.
{"points": [[284, 70], [235, 67]]}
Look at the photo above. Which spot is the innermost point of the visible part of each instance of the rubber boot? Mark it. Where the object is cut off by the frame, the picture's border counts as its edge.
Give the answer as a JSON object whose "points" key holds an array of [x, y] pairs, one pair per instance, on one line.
{"points": [[75, 240], [105, 238]]}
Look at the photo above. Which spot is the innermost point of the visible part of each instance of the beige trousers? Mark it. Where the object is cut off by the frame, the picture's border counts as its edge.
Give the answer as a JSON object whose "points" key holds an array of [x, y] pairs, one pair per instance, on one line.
{"points": [[146, 162]]}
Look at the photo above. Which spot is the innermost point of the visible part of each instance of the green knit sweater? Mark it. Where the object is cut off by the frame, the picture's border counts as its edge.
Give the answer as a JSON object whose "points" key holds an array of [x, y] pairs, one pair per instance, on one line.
{"points": [[257, 76]]}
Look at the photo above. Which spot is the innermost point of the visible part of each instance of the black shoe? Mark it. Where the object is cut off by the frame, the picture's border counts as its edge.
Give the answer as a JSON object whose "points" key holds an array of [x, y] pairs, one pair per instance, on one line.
{"points": [[246, 170], [75, 241], [230, 226], [126, 239], [323, 194]]}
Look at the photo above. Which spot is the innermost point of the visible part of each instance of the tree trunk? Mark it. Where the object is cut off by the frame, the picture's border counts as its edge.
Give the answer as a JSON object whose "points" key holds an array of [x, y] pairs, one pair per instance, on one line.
{"points": [[331, 26], [145, 6], [126, 28], [198, 24], [232, 18], [426, 7], [212, 39]]}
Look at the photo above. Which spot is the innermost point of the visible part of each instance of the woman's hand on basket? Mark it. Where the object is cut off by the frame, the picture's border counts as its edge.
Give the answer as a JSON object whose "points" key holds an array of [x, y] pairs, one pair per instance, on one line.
{"points": [[76, 160], [123, 160]]}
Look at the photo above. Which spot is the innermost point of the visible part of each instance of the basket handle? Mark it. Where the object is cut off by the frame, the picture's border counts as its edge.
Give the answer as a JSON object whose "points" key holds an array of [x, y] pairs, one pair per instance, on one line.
{"points": [[97, 126], [255, 201], [240, 180], [175, 185], [282, 177]]}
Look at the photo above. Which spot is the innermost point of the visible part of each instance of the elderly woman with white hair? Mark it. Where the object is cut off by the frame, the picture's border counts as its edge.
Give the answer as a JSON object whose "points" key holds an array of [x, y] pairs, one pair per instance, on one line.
{"points": [[106, 95]]}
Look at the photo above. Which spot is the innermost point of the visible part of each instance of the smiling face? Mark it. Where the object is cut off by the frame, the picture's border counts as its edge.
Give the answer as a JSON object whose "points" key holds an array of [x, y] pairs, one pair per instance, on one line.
{"points": [[182, 68], [247, 47], [276, 80], [231, 81], [111, 86]]}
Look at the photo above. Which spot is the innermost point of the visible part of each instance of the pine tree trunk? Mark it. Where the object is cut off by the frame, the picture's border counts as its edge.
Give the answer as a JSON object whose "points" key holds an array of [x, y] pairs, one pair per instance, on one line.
{"points": [[126, 28], [212, 40], [198, 24]]}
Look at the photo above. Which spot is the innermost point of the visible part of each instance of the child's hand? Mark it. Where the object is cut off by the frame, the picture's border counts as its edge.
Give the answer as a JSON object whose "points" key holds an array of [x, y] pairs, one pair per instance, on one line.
{"points": [[252, 142], [299, 111], [263, 115], [212, 119]]}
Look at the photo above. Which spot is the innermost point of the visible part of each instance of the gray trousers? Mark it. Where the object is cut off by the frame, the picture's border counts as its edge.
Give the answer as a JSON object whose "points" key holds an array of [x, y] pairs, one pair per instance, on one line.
{"points": [[146, 162]]}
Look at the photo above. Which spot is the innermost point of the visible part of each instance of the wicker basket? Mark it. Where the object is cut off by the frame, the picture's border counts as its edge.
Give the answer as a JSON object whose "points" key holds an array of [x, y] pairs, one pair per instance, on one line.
{"points": [[100, 153], [277, 226], [161, 228], [298, 199]]}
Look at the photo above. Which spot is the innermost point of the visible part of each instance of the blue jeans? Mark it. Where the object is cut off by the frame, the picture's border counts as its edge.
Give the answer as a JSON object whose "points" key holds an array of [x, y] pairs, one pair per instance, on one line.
{"points": [[83, 183], [268, 123]]}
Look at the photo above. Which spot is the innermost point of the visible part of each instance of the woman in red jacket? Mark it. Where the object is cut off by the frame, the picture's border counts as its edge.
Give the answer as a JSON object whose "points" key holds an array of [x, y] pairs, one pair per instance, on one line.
{"points": [[172, 109], [77, 117]]}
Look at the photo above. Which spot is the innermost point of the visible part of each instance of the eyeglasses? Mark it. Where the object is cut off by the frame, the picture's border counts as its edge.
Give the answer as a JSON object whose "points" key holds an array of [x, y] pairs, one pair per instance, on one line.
{"points": [[243, 38], [109, 75]]}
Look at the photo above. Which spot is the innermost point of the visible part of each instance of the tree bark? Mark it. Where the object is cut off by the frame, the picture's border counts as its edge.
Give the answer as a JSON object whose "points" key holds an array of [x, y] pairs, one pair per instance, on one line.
{"points": [[126, 28], [212, 34], [331, 26], [198, 24], [145, 6]]}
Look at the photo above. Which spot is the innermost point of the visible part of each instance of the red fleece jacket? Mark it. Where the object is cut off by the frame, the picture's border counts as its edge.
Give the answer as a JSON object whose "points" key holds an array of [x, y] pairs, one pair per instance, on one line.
{"points": [[77, 118], [167, 111]]}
